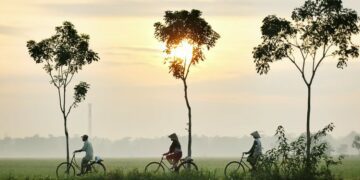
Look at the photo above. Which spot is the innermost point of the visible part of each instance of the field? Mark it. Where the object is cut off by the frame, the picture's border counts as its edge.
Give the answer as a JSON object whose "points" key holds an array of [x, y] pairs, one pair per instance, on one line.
{"points": [[35, 168]]}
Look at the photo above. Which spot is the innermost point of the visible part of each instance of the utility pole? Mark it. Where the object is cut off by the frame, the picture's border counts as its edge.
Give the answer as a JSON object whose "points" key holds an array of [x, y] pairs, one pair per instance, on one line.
{"points": [[89, 117]]}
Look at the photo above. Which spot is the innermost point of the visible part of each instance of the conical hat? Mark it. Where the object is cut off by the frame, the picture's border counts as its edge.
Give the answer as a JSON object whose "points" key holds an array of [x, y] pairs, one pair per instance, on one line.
{"points": [[173, 136], [255, 134]]}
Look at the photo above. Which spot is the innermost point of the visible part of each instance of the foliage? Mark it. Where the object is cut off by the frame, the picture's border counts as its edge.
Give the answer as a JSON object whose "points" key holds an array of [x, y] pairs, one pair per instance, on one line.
{"points": [[288, 159], [80, 92], [189, 26], [356, 143], [316, 28], [62, 56]]}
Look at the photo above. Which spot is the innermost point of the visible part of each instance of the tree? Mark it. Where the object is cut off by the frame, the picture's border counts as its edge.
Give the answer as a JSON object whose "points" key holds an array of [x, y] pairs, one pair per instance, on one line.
{"points": [[186, 30], [319, 29], [62, 56], [356, 143]]}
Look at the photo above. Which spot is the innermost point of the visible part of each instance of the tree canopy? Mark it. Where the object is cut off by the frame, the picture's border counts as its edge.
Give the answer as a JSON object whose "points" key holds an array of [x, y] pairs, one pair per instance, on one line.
{"points": [[318, 25], [189, 26]]}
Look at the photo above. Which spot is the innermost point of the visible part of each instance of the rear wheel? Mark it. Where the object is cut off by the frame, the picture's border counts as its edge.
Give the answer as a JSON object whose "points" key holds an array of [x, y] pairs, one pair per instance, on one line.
{"points": [[65, 170], [187, 166], [154, 167], [233, 169], [97, 168]]}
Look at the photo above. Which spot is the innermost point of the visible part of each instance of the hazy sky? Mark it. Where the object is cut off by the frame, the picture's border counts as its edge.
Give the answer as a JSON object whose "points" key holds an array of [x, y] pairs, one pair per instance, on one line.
{"points": [[133, 94]]}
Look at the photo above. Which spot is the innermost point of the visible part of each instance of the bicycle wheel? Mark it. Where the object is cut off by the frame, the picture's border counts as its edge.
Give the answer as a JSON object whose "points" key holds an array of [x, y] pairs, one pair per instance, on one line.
{"points": [[187, 166], [233, 168], [62, 171], [97, 168], [154, 167]]}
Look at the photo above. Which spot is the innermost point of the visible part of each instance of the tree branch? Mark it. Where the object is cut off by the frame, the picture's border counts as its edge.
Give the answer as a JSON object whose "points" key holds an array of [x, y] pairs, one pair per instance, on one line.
{"points": [[301, 72], [72, 75], [325, 51], [188, 70], [59, 93], [72, 105], [293, 61], [51, 76]]}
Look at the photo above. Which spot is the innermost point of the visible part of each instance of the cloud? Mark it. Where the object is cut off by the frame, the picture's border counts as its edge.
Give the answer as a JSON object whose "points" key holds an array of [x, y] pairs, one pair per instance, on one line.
{"points": [[157, 7], [10, 30], [138, 49]]}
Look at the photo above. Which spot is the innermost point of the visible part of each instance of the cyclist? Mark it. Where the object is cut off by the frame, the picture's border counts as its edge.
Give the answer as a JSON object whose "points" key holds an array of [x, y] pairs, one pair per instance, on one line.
{"points": [[255, 151], [174, 154], [89, 153]]}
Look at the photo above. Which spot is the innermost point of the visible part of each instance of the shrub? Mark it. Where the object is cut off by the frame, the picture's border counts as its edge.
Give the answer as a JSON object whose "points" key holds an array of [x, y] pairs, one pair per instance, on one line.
{"points": [[288, 160]]}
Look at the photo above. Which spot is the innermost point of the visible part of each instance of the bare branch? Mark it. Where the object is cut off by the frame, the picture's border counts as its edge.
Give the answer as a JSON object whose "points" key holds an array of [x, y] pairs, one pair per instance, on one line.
{"points": [[325, 51], [72, 105], [301, 72], [293, 61], [188, 70], [59, 93], [72, 75], [51, 76]]}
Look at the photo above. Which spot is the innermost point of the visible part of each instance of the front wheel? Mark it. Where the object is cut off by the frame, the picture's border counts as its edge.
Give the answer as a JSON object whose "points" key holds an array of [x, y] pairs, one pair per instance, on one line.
{"points": [[154, 167], [233, 168], [65, 170], [97, 168], [187, 166]]}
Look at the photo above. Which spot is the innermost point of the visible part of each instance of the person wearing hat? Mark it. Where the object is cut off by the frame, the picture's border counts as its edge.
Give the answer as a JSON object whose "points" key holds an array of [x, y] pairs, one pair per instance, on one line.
{"points": [[255, 151], [174, 154], [89, 153]]}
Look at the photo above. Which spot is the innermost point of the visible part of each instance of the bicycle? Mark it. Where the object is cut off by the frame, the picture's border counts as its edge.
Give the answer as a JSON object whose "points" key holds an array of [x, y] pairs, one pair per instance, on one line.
{"points": [[186, 164], [236, 167], [65, 170]]}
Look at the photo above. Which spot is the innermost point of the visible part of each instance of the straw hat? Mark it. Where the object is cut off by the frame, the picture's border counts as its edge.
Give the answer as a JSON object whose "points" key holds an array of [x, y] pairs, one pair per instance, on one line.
{"points": [[173, 136], [255, 134]]}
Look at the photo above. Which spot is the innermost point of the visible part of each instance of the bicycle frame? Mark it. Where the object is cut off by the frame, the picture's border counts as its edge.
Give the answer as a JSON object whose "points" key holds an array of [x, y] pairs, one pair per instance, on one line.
{"points": [[243, 162], [164, 164]]}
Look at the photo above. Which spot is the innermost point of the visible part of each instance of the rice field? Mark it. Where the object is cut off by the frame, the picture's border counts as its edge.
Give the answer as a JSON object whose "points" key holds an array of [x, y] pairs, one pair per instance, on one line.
{"points": [[45, 168]]}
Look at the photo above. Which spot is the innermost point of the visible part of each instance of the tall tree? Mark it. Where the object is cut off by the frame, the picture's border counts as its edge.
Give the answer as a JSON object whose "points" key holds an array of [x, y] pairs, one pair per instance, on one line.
{"points": [[188, 30], [356, 143], [62, 56], [319, 29]]}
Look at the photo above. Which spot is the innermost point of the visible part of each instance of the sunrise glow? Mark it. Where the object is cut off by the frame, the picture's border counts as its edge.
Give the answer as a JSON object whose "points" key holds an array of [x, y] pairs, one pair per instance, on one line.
{"points": [[183, 51]]}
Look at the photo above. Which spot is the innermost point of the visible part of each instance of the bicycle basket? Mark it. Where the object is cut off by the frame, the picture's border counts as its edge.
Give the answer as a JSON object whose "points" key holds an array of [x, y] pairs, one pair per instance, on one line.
{"points": [[98, 159]]}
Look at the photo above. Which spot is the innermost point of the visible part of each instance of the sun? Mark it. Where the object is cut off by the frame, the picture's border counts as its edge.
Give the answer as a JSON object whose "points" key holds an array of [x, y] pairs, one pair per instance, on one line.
{"points": [[184, 51]]}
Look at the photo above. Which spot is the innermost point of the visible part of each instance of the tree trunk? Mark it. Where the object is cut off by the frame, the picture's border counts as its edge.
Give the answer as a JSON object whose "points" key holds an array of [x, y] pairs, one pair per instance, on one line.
{"points": [[67, 143], [189, 115], [308, 137]]}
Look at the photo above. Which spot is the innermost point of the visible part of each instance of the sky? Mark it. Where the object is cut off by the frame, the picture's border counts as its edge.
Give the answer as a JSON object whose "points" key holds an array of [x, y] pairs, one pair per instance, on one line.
{"points": [[133, 95]]}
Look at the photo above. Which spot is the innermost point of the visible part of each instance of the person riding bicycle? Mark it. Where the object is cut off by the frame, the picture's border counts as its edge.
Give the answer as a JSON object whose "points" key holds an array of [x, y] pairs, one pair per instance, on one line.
{"points": [[89, 153], [255, 151], [174, 154]]}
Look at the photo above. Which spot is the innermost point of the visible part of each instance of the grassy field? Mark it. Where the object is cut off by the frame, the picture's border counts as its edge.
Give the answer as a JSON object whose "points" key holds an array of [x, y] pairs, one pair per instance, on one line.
{"points": [[22, 168]]}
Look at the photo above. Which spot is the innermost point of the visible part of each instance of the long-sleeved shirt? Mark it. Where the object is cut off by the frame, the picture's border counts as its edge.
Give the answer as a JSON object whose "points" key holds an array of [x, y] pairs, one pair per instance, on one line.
{"points": [[256, 148], [174, 147], [88, 150]]}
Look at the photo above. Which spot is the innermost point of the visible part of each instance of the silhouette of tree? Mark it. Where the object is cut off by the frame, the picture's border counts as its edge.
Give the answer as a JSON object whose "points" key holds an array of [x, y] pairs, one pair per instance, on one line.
{"points": [[185, 26], [356, 143], [63, 55], [319, 29]]}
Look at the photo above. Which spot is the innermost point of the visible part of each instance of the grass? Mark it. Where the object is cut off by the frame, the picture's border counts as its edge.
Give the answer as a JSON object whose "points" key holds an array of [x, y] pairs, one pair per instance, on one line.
{"points": [[212, 168]]}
